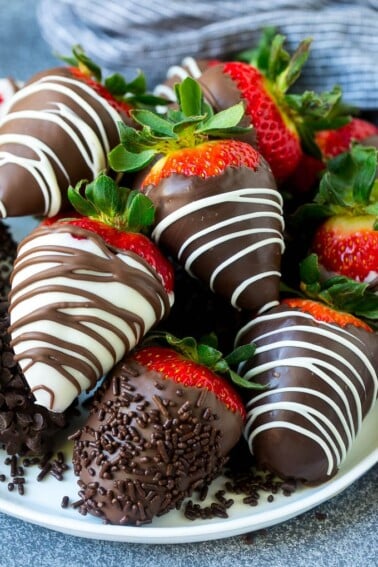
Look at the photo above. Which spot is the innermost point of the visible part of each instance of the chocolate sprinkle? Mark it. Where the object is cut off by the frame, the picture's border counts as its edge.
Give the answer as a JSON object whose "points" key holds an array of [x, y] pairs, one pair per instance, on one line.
{"points": [[134, 464]]}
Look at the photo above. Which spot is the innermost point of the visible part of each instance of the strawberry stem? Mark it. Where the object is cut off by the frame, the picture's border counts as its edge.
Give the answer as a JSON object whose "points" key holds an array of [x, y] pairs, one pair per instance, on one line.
{"points": [[192, 124], [133, 92], [119, 207], [339, 292]]}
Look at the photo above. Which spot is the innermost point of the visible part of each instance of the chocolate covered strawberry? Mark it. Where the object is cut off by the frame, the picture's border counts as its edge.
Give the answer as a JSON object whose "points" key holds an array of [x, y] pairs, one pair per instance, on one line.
{"points": [[217, 207], [85, 290], [58, 129], [283, 122], [160, 426], [320, 366]]}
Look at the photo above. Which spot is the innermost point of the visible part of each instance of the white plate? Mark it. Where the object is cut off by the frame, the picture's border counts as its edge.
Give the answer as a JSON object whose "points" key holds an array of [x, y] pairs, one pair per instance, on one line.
{"points": [[41, 503]]}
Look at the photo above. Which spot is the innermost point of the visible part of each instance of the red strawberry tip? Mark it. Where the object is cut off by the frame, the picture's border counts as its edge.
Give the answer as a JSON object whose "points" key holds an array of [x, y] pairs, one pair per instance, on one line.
{"points": [[326, 314], [173, 365], [206, 353]]}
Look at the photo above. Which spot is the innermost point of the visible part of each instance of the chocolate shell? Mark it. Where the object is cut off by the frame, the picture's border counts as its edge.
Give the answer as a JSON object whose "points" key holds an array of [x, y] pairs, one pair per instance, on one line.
{"points": [[225, 230], [57, 131], [323, 382], [148, 444], [76, 307], [8, 87]]}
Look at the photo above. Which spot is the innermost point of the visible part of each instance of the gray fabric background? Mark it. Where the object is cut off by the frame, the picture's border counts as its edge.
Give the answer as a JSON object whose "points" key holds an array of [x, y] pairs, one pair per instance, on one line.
{"points": [[125, 35]]}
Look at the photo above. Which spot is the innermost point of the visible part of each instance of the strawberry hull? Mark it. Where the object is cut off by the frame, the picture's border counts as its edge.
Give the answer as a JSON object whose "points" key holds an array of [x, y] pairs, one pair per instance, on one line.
{"points": [[323, 383], [165, 441], [224, 230], [76, 307], [56, 132]]}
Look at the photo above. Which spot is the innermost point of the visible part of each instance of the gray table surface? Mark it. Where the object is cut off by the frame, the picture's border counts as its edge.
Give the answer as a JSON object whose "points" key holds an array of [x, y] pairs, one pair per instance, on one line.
{"points": [[347, 534]]}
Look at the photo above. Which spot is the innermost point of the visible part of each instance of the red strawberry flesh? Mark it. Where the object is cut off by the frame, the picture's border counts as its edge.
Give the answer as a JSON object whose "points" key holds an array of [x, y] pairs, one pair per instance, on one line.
{"points": [[130, 241], [334, 142], [205, 160], [174, 366], [277, 138], [348, 246], [322, 312]]}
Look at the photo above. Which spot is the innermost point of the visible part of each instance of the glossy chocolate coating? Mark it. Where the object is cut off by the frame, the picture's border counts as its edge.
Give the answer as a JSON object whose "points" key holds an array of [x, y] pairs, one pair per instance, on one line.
{"points": [[149, 443], [323, 382], [225, 230], [56, 132], [76, 307], [221, 92]]}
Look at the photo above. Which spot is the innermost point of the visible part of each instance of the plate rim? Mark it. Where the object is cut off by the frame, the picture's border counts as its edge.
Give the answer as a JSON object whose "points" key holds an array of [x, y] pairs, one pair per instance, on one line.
{"points": [[200, 531]]}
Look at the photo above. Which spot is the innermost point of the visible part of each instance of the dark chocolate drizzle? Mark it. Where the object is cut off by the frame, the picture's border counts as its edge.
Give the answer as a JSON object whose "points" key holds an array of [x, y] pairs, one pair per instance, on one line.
{"points": [[56, 132], [76, 276]]}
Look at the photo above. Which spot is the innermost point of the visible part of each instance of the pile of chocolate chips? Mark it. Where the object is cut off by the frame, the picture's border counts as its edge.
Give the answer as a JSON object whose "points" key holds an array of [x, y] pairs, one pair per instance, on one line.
{"points": [[25, 428], [8, 249]]}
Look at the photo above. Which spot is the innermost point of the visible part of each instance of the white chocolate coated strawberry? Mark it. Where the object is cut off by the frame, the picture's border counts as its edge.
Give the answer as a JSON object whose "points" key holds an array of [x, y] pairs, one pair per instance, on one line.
{"points": [[76, 308]]}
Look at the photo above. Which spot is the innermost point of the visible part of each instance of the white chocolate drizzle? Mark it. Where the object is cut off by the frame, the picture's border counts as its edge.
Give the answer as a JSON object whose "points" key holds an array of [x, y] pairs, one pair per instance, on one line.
{"points": [[326, 366], [91, 142], [270, 203]]}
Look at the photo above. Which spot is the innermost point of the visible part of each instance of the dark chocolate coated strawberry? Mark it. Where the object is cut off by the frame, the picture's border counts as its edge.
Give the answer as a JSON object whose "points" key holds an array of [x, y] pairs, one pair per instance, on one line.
{"points": [[218, 211], [320, 366], [161, 426]]}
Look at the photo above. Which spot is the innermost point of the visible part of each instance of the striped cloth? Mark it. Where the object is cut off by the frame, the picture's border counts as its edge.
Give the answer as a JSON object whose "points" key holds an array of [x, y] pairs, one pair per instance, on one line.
{"points": [[151, 35]]}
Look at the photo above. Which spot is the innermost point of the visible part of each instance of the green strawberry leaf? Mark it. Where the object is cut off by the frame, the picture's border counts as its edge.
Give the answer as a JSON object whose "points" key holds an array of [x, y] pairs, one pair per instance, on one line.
{"points": [[365, 159], [339, 292], [279, 58], [290, 74], [80, 58], [122, 160], [160, 126], [208, 355], [138, 85], [259, 57], [116, 85], [244, 383], [80, 203], [240, 354], [115, 206], [189, 96], [224, 119], [140, 211], [349, 182], [104, 195]]}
